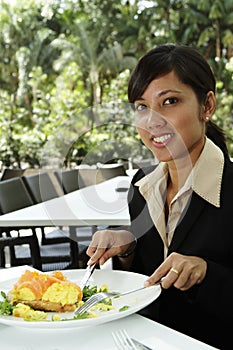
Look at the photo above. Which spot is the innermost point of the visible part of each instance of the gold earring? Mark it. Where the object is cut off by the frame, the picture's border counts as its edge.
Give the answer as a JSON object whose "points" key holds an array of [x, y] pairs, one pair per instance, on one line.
{"points": [[207, 119]]}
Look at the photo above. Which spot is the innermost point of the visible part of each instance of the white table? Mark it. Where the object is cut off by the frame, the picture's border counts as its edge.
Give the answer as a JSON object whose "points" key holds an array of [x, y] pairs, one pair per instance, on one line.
{"points": [[99, 337], [93, 205]]}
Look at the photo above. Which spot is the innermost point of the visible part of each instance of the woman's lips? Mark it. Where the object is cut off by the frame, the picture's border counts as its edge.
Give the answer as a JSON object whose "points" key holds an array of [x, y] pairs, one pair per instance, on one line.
{"points": [[162, 140]]}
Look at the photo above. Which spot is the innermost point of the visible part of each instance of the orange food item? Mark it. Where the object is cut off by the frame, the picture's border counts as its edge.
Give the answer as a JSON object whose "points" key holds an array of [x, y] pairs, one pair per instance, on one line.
{"points": [[51, 292]]}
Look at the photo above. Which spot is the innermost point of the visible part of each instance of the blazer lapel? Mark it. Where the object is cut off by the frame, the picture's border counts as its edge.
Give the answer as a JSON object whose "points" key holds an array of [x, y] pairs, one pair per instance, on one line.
{"points": [[188, 218]]}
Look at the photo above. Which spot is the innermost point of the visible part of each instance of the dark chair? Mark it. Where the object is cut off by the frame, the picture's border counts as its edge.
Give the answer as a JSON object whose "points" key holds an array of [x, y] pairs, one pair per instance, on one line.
{"points": [[102, 173], [108, 171], [89, 176], [41, 188], [14, 196], [69, 180], [9, 173], [61, 247], [13, 242]]}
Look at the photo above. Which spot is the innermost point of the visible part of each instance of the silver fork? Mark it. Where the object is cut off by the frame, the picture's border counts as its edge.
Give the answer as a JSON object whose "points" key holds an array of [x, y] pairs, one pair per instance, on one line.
{"points": [[123, 341], [98, 297]]}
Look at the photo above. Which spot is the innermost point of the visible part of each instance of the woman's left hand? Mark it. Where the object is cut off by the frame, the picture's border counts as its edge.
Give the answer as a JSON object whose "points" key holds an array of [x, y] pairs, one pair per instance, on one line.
{"points": [[181, 271]]}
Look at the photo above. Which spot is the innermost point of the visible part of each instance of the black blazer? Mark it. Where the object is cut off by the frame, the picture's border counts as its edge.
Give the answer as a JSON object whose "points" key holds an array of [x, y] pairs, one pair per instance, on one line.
{"points": [[205, 311]]}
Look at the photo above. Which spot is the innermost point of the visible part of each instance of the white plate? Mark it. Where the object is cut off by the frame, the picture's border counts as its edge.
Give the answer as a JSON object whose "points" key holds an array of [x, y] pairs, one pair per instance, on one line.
{"points": [[116, 281]]}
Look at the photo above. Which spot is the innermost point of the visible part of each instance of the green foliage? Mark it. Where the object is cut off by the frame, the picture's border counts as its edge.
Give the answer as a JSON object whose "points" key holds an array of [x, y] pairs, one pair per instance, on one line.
{"points": [[64, 67]]}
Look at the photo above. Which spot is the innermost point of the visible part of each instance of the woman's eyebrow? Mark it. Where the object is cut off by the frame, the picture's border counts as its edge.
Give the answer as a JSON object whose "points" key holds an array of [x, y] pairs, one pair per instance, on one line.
{"points": [[167, 91], [160, 93]]}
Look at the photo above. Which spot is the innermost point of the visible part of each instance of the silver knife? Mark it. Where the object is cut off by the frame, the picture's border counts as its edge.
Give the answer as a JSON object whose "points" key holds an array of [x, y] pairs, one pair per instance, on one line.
{"points": [[89, 271], [139, 345]]}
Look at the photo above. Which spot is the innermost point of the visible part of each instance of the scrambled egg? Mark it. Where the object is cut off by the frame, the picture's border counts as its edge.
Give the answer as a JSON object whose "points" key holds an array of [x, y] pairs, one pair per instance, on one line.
{"points": [[102, 307], [28, 314], [61, 293], [23, 294], [56, 318]]}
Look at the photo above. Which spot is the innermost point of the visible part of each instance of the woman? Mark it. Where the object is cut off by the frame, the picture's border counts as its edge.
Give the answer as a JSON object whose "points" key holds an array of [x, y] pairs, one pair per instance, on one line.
{"points": [[181, 216]]}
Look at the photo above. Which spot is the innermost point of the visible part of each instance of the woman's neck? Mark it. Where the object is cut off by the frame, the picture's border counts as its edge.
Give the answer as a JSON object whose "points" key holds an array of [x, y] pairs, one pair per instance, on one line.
{"points": [[176, 179], [180, 168]]}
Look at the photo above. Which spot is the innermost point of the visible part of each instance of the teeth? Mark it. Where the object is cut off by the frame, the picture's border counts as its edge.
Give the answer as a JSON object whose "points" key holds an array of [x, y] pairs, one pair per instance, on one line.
{"points": [[162, 139]]}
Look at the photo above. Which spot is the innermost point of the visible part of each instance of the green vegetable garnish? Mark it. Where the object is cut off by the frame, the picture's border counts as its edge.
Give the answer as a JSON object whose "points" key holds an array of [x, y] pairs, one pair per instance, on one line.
{"points": [[6, 308], [82, 316], [123, 308], [88, 292], [107, 301]]}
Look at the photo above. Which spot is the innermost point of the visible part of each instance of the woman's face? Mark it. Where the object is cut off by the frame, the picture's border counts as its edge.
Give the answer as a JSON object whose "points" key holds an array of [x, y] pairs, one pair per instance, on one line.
{"points": [[169, 119]]}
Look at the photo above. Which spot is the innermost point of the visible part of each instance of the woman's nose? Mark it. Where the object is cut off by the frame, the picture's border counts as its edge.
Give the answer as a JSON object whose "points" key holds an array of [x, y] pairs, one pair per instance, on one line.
{"points": [[155, 120]]}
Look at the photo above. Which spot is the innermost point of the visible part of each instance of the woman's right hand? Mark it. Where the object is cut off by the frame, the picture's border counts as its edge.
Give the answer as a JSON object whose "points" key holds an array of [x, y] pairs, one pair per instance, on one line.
{"points": [[108, 243]]}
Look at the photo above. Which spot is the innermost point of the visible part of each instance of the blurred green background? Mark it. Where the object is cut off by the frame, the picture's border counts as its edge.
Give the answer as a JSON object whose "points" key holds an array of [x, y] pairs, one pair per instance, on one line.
{"points": [[64, 67]]}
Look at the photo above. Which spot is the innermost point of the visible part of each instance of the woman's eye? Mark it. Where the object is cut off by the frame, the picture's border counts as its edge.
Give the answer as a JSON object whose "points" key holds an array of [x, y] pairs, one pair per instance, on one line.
{"points": [[140, 107], [170, 101]]}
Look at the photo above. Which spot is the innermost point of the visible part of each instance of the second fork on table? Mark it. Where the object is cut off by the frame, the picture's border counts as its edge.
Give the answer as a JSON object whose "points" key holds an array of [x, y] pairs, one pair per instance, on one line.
{"points": [[123, 341]]}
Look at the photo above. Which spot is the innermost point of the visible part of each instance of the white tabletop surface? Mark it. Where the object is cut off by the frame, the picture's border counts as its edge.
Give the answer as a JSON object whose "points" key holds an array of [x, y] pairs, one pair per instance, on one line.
{"points": [[100, 204], [99, 337]]}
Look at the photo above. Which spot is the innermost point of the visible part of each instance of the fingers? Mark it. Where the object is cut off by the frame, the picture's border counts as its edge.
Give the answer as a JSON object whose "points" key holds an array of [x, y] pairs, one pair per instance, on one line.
{"points": [[101, 255], [179, 271], [95, 254], [189, 279], [108, 243]]}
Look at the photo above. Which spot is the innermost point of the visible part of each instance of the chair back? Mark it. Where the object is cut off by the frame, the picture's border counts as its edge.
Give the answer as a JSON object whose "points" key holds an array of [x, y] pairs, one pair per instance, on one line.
{"points": [[12, 242], [40, 187], [108, 171], [14, 195], [68, 179], [11, 173], [89, 176]]}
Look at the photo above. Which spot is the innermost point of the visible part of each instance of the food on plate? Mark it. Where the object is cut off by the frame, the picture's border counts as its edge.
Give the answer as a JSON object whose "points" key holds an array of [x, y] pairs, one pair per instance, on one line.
{"points": [[48, 292], [35, 294], [28, 314]]}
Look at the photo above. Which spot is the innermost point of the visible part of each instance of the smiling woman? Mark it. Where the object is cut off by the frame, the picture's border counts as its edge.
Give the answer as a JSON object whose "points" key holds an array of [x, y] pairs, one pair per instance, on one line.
{"points": [[179, 209], [170, 121]]}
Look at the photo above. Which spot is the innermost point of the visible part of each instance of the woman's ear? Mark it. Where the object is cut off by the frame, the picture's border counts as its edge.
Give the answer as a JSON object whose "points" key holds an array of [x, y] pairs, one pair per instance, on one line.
{"points": [[209, 106]]}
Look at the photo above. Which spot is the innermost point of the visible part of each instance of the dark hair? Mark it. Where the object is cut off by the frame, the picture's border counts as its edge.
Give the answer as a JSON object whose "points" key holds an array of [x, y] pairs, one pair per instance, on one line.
{"points": [[190, 67]]}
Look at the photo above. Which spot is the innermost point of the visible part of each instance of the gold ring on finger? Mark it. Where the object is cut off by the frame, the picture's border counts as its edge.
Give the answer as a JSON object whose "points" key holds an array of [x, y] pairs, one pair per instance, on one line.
{"points": [[175, 270]]}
